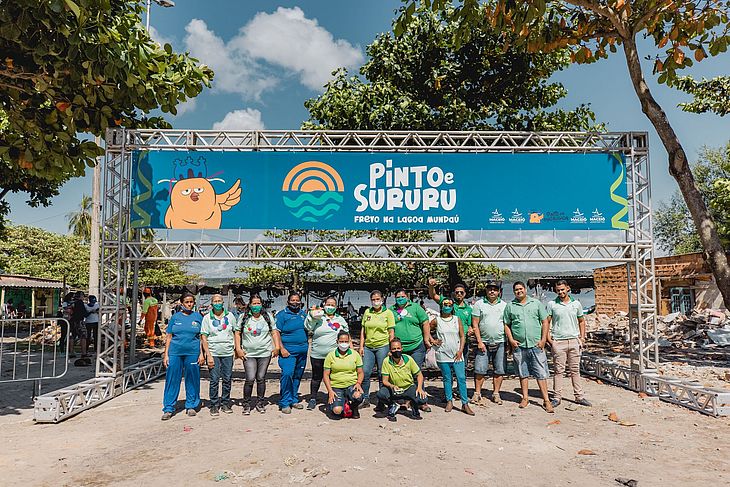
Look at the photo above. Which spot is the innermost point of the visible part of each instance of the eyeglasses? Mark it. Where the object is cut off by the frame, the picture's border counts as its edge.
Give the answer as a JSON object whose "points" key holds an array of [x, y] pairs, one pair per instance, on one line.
{"points": [[459, 292]]}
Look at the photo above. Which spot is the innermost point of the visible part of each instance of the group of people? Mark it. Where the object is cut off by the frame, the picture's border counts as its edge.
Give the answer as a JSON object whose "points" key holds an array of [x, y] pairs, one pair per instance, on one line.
{"points": [[393, 340], [83, 318]]}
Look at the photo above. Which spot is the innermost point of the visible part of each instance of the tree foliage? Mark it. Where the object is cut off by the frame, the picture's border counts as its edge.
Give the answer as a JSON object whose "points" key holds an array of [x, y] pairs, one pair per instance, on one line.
{"points": [[709, 95], [79, 221], [423, 80]]}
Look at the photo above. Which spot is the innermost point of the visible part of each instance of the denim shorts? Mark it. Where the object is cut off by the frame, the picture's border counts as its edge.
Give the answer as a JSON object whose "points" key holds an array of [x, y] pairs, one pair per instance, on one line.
{"points": [[494, 355], [531, 362]]}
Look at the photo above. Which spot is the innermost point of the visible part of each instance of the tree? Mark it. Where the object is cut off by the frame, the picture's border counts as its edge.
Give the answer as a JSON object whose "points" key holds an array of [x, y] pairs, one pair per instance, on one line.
{"points": [[79, 222], [710, 95], [592, 29], [165, 273], [77, 67]]}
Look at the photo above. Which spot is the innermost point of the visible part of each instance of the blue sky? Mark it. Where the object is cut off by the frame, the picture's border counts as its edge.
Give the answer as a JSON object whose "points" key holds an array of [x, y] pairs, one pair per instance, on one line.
{"points": [[270, 57]]}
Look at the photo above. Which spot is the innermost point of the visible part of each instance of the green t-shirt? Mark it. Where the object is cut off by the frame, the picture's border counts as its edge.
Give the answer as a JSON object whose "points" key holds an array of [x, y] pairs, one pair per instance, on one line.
{"points": [[219, 332], [343, 368], [376, 326], [256, 336], [401, 376], [565, 316], [324, 333], [491, 320], [463, 311], [149, 303], [409, 325], [525, 321]]}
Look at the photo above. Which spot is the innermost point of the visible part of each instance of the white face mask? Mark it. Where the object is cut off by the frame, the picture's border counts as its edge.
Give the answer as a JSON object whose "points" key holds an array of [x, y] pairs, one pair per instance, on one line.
{"points": [[343, 346], [377, 304]]}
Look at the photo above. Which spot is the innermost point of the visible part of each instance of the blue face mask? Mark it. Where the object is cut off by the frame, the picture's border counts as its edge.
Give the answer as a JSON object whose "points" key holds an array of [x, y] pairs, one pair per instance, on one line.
{"points": [[218, 306], [447, 309], [401, 301]]}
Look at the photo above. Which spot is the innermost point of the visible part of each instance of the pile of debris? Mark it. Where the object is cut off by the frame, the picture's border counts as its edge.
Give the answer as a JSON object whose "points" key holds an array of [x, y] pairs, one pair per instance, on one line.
{"points": [[48, 336], [705, 329]]}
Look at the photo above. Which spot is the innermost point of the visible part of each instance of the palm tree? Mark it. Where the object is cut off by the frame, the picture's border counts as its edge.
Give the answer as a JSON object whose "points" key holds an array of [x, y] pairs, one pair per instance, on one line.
{"points": [[79, 222]]}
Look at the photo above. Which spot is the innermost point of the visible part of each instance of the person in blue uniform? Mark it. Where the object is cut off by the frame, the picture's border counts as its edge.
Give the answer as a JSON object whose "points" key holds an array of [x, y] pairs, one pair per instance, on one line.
{"points": [[183, 357], [292, 335]]}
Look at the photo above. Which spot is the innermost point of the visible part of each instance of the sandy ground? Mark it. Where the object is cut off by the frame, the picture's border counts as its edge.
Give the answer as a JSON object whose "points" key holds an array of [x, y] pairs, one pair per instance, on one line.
{"points": [[123, 442]]}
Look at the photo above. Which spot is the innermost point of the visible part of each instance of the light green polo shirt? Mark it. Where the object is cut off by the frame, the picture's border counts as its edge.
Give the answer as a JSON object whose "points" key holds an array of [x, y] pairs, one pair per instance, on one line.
{"points": [[256, 337], [565, 316], [324, 333], [525, 321], [463, 311], [219, 332], [376, 327], [409, 325], [491, 320], [343, 368], [401, 376]]}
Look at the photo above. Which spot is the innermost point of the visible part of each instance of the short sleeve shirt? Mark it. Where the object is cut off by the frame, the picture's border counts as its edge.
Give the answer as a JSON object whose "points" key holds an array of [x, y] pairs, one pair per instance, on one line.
{"points": [[463, 311], [376, 325], [525, 321], [400, 375], [409, 325], [324, 333], [565, 316], [219, 332], [185, 331], [256, 335], [291, 328], [343, 368], [491, 320]]}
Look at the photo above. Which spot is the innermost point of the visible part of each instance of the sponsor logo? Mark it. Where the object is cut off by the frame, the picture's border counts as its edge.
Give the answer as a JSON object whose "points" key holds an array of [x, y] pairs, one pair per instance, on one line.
{"points": [[597, 217], [496, 217], [578, 217], [516, 217], [313, 191], [536, 217]]}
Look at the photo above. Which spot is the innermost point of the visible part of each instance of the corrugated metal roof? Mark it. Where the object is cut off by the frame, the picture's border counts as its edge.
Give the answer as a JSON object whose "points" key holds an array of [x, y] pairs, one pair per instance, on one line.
{"points": [[9, 280]]}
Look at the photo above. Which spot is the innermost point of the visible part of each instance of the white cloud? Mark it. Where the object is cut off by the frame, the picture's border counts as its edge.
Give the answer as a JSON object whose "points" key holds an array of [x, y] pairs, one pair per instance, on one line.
{"points": [[159, 38], [246, 119], [187, 106], [251, 62]]}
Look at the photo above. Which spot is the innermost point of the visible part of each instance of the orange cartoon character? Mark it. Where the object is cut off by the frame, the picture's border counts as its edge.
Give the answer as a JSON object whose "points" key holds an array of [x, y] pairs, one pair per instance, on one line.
{"points": [[536, 217], [193, 201]]}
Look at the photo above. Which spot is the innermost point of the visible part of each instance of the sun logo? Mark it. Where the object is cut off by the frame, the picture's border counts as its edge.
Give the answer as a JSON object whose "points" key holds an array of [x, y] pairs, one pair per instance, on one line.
{"points": [[313, 191]]}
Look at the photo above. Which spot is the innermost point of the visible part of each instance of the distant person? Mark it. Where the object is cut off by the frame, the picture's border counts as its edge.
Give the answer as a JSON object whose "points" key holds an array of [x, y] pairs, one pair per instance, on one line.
{"points": [[256, 345], [92, 321], [22, 309], [150, 307], [351, 311], [239, 306], [9, 309], [487, 319], [402, 379], [217, 336], [68, 334], [526, 328], [567, 336], [183, 356], [343, 378], [378, 328], [78, 323], [325, 325], [292, 336]]}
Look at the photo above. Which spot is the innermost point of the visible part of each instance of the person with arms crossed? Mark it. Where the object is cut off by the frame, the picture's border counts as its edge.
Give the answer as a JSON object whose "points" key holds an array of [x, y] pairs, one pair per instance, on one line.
{"points": [[488, 324]]}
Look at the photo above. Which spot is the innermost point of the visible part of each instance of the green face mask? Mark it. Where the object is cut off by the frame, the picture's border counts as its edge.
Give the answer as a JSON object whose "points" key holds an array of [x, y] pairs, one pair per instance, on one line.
{"points": [[256, 308], [330, 310], [218, 306], [401, 301]]}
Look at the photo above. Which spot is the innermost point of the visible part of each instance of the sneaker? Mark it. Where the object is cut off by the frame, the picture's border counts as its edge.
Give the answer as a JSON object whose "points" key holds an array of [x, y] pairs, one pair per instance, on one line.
{"points": [[298, 405], [213, 411], [366, 404], [355, 411], [467, 410], [286, 410], [393, 409], [261, 407], [246, 409], [583, 402], [449, 406], [379, 408], [415, 413], [311, 404], [556, 402], [191, 412], [226, 409], [425, 408], [166, 416]]}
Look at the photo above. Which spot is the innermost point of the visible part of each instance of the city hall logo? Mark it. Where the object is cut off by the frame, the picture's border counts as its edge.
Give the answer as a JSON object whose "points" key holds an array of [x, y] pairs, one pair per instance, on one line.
{"points": [[578, 217], [496, 217], [313, 191], [516, 217], [597, 217]]}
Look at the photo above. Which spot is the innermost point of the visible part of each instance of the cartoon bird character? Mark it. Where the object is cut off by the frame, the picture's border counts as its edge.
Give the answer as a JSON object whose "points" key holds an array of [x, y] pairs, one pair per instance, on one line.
{"points": [[536, 217], [194, 203]]}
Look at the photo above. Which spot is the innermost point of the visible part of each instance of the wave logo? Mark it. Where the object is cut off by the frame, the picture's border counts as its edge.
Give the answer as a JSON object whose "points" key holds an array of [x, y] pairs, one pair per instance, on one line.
{"points": [[313, 191]]}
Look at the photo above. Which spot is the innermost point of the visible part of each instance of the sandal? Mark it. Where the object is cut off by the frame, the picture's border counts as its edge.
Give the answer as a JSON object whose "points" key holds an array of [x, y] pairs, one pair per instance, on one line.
{"points": [[548, 407], [524, 403], [496, 399]]}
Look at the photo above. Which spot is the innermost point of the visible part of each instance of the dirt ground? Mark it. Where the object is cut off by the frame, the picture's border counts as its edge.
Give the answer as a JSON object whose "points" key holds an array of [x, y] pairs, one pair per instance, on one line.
{"points": [[123, 442]]}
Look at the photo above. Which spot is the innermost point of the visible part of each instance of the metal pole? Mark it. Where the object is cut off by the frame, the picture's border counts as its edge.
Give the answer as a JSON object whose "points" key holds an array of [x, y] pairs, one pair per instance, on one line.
{"points": [[95, 227], [149, 6], [133, 318]]}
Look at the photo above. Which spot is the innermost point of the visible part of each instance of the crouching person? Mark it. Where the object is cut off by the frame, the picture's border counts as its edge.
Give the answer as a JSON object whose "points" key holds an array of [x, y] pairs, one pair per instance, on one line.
{"points": [[402, 379], [343, 376]]}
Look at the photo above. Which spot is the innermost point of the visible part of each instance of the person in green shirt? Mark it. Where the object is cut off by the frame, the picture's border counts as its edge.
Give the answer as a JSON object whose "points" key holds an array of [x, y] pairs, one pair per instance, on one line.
{"points": [[343, 378], [378, 325], [150, 307], [402, 379], [411, 325], [526, 330], [217, 337], [487, 319]]}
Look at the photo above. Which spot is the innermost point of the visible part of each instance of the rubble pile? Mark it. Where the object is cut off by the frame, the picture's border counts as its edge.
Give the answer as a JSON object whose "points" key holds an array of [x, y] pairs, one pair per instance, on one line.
{"points": [[49, 335]]}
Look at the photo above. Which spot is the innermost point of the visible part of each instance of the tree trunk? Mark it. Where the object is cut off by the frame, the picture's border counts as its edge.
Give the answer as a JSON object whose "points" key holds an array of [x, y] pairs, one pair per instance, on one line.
{"points": [[680, 169]]}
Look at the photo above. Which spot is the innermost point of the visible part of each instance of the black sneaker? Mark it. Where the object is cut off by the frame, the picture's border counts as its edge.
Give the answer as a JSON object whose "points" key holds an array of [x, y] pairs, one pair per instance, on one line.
{"points": [[191, 412], [261, 407], [311, 404], [365, 403], [583, 402], [226, 409], [213, 411], [355, 411], [415, 414], [379, 408], [246, 409], [166, 416], [392, 410]]}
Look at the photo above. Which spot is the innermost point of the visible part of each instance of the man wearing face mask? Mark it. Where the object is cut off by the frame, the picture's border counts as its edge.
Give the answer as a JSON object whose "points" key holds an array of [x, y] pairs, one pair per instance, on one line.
{"points": [[292, 335], [402, 379], [217, 335]]}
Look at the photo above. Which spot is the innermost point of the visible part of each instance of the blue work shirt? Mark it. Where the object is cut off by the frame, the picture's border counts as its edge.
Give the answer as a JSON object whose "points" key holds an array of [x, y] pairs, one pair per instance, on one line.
{"points": [[185, 331], [291, 328]]}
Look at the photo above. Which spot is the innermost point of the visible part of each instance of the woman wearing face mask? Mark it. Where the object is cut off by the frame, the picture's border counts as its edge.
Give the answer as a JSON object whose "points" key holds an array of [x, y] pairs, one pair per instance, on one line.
{"points": [[292, 336], [378, 325], [343, 378], [410, 322], [183, 356], [324, 325], [256, 344], [217, 335], [449, 345]]}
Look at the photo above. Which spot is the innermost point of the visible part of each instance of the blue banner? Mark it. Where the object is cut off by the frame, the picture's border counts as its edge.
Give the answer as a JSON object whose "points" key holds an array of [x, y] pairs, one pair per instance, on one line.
{"points": [[385, 191]]}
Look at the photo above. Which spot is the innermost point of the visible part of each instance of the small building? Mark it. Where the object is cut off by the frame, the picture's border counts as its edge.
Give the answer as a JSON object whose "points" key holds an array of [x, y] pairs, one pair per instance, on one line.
{"points": [[29, 297], [684, 282]]}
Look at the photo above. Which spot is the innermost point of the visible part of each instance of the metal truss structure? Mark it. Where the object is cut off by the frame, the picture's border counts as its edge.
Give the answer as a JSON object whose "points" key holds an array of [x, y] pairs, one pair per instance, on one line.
{"points": [[122, 249]]}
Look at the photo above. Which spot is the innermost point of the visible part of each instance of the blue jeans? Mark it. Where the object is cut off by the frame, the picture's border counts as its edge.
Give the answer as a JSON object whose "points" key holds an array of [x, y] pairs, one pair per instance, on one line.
{"points": [[460, 372], [418, 354], [292, 369], [531, 362], [342, 395], [372, 357], [182, 365], [222, 369]]}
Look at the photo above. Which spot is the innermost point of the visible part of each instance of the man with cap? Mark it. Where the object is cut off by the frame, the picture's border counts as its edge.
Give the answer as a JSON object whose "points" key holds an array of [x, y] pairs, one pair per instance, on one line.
{"points": [[149, 315], [487, 321]]}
